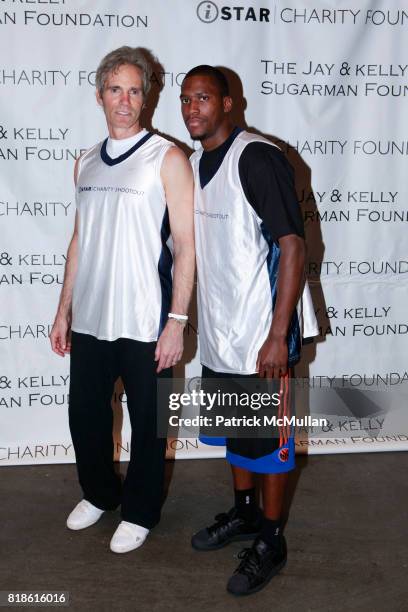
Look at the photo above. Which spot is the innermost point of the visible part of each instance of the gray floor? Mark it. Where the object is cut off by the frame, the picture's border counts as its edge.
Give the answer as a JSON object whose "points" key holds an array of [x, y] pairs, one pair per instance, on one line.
{"points": [[347, 537]]}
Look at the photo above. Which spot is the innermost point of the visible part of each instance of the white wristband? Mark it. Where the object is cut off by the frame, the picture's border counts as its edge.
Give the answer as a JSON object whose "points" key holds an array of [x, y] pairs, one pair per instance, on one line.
{"points": [[178, 317]]}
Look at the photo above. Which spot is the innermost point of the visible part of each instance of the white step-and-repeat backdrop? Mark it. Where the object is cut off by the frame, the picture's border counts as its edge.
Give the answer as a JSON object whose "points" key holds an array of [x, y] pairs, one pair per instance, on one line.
{"points": [[326, 80]]}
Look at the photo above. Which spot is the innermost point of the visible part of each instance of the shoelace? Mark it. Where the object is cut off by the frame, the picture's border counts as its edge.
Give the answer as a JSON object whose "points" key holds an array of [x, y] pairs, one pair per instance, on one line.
{"points": [[250, 562], [222, 521]]}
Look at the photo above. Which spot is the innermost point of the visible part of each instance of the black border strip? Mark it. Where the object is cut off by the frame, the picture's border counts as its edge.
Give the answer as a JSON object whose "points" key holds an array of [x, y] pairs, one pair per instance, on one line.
{"points": [[112, 162]]}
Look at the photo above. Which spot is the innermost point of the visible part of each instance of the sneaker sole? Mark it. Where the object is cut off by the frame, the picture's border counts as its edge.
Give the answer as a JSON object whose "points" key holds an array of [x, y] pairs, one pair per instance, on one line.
{"points": [[275, 571], [126, 550], [76, 528], [237, 538]]}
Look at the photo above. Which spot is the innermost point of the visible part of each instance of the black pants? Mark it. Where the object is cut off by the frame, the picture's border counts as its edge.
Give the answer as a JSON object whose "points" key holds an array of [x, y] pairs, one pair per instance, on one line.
{"points": [[95, 366]]}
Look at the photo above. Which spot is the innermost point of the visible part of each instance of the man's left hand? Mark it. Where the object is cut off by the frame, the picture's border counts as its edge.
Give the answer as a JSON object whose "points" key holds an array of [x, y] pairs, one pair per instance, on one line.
{"points": [[272, 359], [169, 349]]}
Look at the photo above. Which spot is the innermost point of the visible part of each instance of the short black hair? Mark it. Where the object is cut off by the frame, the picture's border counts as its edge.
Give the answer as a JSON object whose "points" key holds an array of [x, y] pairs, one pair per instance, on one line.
{"points": [[213, 72]]}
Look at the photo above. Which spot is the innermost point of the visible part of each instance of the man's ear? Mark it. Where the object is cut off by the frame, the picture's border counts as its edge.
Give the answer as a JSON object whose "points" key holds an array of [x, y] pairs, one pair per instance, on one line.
{"points": [[227, 102], [98, 97]]}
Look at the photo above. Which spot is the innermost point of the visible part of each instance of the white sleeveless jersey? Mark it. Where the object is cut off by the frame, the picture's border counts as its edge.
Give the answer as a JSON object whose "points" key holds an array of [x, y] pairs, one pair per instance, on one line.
{"points": [[237, 265], [123, 282]]}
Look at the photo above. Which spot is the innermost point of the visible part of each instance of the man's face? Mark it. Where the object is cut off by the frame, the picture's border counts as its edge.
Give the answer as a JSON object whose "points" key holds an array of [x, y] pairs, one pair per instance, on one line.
{"points": [[204, 109], [122, 101]]}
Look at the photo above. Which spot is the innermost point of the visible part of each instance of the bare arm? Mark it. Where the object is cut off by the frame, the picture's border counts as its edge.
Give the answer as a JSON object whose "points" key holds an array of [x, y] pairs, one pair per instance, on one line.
{"points": [[177, 180], [60, 333], [273, 356]]}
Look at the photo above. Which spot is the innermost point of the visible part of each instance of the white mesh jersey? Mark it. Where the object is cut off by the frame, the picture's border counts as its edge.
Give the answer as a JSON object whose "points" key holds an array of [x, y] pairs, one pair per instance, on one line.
{"points": [[237, 265], [123, 282]]}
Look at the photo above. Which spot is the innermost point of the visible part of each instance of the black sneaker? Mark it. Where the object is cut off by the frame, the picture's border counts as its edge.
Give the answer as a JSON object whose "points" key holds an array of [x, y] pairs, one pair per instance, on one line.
{"points": [[259, 564], [229, 527]]}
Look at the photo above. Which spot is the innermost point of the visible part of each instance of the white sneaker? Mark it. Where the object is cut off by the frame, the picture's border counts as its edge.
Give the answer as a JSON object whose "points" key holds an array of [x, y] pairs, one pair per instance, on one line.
{"points": [[127, 537], [83, 515]]}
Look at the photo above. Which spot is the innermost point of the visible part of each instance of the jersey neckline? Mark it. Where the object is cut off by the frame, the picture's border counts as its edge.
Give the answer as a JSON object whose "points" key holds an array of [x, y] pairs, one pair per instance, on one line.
{"points": [[117, 160], [223, 149]]}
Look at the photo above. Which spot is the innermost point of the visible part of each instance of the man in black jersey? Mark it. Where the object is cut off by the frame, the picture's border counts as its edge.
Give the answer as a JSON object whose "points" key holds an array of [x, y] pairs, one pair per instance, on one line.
{"points": [[250, 262]]}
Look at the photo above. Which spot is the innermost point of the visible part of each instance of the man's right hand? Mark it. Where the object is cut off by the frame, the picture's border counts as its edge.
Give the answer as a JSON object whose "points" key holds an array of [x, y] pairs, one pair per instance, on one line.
{"points": [[60, 336]]}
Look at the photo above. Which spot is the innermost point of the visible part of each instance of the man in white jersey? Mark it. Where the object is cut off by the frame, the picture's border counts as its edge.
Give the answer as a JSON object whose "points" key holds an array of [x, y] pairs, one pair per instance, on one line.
{"points": [[121, 310], [252, 313]]}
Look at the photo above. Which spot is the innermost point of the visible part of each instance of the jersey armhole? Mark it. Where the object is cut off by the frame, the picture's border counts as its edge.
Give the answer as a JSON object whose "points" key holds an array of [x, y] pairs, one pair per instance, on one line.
{"points": [[82, 157], [79, 167], [247, 202], [159, 162]]}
